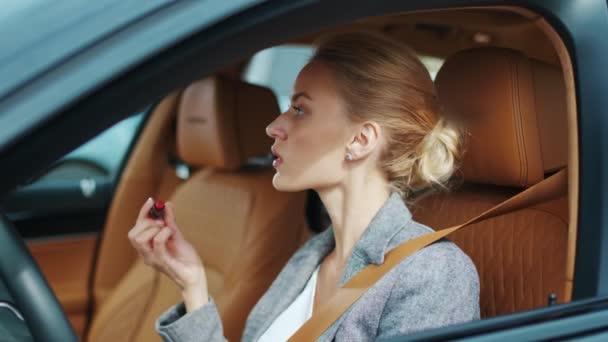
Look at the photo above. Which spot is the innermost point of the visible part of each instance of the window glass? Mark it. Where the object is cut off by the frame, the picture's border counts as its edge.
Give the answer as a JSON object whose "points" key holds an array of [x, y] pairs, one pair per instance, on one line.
{"points": [[277, 68], [433, 64], [100, 156]]}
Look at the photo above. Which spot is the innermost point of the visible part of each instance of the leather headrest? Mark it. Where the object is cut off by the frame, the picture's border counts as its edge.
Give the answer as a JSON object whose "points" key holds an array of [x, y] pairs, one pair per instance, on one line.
{"points": [[514, 112], [221, 122]]}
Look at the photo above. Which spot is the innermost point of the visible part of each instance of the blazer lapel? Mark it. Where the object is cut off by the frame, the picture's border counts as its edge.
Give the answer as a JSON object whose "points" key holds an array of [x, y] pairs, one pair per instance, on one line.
{"points": [[290, 283], [372, 246]]}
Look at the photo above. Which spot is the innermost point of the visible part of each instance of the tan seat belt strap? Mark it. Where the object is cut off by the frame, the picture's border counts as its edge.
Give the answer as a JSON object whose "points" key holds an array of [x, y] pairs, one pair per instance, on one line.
{"points": [[550, 188]]}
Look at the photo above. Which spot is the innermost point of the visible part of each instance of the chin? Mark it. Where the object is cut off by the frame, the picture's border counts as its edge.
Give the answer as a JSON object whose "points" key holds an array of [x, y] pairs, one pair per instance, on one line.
{"points": [[281, 184]]}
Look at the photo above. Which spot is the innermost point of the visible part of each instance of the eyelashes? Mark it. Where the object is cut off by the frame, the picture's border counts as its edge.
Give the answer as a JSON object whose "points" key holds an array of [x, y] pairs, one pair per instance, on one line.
{"points": [[297, 110]]}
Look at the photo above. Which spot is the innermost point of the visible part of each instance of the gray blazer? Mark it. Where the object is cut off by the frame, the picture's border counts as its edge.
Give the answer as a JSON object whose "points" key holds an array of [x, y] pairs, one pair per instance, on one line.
{"points": [[434, 287]]}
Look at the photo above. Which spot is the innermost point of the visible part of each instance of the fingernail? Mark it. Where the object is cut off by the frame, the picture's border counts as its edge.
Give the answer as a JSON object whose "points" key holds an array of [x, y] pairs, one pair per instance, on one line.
{"points": [[149, 199]]}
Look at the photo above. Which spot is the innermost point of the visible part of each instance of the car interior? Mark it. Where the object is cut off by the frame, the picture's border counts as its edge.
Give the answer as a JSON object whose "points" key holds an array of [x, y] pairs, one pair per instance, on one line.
{"points": [[505, 74]]}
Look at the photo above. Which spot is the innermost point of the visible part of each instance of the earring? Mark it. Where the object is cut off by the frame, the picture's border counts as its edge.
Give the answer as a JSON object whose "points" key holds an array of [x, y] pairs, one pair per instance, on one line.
{"points": [[349, 156]]}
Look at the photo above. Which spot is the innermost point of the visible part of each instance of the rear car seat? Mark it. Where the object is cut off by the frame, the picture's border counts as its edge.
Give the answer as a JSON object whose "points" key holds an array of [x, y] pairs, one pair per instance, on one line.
{"points": [[514, 112], [243, 229]]}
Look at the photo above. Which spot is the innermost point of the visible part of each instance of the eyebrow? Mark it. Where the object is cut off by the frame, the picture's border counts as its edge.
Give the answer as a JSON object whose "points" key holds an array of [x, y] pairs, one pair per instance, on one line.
{"points": [[300, 94]]}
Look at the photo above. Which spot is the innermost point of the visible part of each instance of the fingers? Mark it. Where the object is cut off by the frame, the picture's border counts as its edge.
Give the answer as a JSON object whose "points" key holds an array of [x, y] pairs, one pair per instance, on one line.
{"points": [[143, 221], [160, 242], [143, 241], [170, 218], [163, 255], [151, 245], [150, 237], [145, 209], [143, 225]]}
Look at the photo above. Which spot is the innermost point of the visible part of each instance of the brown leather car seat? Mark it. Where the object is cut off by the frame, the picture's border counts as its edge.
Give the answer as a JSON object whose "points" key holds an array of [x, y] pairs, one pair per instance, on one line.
{"points": [[514, 111], [243, 229], [148, 172]]}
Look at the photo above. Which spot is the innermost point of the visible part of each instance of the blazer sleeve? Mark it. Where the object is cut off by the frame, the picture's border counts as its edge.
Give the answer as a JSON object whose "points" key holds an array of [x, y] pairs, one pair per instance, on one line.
{"points": [[439, 287], [203, 324]]}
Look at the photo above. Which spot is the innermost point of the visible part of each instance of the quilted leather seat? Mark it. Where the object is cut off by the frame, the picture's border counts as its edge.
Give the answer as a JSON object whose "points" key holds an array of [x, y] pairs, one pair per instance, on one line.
{"points": [[514, 111]]}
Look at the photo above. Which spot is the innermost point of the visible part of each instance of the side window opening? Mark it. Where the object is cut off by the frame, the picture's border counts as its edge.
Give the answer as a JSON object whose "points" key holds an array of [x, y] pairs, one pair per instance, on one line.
{"points": [[277, 68], [433, 64], [105, 152], [72, 195]]}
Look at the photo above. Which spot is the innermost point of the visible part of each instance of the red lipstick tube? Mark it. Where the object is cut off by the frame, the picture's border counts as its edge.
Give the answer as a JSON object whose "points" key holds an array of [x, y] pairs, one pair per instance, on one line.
{"points": [[158, 210]]}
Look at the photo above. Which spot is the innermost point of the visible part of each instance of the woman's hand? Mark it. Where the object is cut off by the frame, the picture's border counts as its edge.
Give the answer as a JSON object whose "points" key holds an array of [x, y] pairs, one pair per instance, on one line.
{"points": [[163, 247]]}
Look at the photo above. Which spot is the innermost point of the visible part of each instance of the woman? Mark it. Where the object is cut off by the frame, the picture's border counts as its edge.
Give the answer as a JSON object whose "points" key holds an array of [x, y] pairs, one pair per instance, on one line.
{"points": [[364, 131]]}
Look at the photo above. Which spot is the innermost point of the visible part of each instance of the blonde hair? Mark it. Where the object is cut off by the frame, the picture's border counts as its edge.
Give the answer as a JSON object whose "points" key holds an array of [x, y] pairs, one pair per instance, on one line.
{"points": [[382, 80]]}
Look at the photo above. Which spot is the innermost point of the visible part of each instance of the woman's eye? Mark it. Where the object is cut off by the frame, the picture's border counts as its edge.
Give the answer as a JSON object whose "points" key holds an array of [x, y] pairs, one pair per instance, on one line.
{"points": [[297, 110]]}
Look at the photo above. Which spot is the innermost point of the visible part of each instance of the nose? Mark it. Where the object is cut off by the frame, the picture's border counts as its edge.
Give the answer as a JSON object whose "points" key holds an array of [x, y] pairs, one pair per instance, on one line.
{"points": [[276, 130]]}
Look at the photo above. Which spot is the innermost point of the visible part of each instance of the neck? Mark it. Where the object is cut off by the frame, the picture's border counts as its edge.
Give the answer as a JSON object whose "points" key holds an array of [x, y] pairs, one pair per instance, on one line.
{"points": [[351, 208]]}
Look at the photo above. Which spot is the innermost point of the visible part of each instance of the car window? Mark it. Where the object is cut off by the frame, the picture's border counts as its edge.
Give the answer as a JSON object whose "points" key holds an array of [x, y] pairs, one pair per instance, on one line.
{"points": [[433, 64], [278, 67], [101, 156], [71, 197]]}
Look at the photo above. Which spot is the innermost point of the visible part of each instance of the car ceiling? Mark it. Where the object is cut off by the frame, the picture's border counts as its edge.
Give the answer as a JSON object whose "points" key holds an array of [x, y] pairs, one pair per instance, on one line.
{"points": [[442, 33]]}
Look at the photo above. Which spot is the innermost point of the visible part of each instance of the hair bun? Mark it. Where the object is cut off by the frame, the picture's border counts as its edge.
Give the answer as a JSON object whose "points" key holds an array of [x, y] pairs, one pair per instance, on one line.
{"points": [[437, 155], [382, 79]]}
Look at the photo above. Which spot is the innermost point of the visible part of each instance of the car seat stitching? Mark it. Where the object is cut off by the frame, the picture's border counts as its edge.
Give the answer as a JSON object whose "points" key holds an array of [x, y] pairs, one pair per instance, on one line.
{"points": [[525, 156], [517, 116], [536, 117], [510, 79]]}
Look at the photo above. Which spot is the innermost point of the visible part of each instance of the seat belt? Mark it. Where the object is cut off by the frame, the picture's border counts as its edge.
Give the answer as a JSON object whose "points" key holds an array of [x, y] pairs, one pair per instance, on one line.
{"points": [[547, 189]]}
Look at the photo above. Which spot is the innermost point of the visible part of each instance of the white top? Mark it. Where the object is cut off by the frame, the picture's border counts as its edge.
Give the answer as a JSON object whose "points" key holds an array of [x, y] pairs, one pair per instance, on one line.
{"points": [[296, 314]]}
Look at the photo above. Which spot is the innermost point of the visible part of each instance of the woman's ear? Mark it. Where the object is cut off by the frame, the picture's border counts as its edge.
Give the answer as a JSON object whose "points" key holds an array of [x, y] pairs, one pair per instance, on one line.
{"points": [[365, 140]]}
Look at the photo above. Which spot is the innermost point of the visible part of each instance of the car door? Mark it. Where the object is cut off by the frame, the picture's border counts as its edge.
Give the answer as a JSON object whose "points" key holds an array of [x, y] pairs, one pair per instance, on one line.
{"points": [[61, 213]]}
